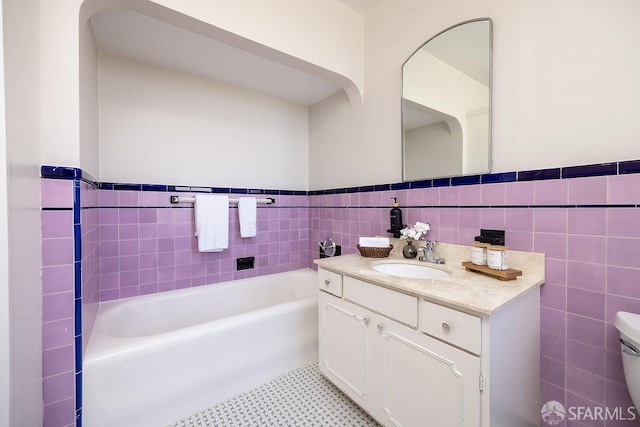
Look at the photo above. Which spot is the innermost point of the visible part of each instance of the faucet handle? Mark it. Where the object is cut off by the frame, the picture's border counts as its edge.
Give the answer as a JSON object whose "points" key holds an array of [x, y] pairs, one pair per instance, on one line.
{"points": [[422, 253]]}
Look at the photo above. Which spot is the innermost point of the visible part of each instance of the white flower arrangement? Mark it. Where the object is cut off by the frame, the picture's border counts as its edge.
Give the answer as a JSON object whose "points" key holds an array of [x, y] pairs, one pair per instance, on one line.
{"points": [[415, 232]]}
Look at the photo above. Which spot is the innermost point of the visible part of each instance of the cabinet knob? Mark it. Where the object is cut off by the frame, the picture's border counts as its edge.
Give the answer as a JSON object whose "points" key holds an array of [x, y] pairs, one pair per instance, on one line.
{"points": [[446, 327], [380, 327], [327, 282], [364, 320]]}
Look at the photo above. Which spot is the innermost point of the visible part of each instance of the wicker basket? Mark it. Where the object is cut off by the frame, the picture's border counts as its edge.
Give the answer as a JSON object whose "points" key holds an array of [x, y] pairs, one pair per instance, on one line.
{"points": [[371, 252]]}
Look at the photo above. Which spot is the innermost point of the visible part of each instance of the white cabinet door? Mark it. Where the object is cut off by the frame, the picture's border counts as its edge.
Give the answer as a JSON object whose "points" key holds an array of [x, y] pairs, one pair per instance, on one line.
{"points": [[344, 347], [423, 381]]}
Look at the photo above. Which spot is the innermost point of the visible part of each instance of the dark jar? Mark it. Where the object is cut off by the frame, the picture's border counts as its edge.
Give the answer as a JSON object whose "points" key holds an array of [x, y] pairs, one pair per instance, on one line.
{"points": [[409, 251]]}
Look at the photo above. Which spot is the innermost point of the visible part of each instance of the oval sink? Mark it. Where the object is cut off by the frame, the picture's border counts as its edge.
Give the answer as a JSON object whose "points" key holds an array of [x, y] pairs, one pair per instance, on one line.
{"points": [[411, 271]]}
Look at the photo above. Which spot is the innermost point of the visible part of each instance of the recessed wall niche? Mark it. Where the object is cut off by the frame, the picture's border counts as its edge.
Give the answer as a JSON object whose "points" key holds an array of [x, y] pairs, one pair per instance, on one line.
{"points": [[176, 106]]}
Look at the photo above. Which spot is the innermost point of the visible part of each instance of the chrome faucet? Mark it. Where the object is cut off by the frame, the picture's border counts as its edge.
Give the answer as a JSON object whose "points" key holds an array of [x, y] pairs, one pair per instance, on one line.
{"points": [[429, 253]]}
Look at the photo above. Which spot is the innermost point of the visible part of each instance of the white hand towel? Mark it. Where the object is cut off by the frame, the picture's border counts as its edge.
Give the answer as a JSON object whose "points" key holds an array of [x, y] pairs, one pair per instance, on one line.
{"points": [[212, 222], [374, 242], [247, 213]]}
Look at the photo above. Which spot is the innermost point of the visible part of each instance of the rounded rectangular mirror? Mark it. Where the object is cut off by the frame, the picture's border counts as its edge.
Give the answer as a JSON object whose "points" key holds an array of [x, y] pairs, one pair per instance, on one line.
{"points": [[446, 104]]}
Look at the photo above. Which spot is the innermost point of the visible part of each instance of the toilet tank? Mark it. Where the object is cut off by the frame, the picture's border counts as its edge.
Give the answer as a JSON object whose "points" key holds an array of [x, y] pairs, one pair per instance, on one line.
{"points": [[629, 326]]}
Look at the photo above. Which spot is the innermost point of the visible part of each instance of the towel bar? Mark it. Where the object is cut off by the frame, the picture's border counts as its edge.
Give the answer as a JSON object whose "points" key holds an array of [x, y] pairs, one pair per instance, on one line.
{"points": [[178, 199]]}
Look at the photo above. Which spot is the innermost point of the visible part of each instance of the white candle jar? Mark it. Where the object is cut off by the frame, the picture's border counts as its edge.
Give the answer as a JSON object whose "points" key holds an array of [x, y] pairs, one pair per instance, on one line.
{"points": [[498, 257], [479, 253]]}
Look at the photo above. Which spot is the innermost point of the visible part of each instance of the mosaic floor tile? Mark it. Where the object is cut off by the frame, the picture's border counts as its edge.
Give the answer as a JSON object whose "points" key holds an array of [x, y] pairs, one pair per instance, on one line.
{"points": [[299, 398]]}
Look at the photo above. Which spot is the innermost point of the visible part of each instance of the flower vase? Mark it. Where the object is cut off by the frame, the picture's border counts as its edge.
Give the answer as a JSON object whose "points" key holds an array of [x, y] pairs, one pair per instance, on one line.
{"points": [[409, 251]]}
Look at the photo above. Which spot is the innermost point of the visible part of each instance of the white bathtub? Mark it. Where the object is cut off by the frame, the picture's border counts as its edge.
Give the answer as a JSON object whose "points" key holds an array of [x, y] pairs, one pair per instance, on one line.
{"points": [[155, 359]]}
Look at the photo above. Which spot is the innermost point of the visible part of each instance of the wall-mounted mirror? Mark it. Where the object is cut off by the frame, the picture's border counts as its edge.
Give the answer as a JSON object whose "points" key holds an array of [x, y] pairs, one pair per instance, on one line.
{"points": [[446, 104]]}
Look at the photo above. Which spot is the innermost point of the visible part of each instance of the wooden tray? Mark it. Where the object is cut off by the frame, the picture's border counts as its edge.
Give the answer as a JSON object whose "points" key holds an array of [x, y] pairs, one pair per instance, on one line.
{"points": [[509, 274]]}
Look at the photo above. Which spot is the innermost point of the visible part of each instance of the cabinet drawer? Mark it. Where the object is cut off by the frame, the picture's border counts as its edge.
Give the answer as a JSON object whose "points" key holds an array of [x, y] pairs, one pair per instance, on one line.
{"points": [[456, 327], [329, 281], [398, 306]]}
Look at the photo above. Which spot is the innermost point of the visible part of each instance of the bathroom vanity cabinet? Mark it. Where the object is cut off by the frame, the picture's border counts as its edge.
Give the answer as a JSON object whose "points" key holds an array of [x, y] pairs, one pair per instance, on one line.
{"points": [[412, 361]]}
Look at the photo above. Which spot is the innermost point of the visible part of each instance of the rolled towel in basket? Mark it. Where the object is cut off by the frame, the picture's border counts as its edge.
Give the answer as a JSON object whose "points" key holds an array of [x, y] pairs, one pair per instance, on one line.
{"points": [[374, 242]]}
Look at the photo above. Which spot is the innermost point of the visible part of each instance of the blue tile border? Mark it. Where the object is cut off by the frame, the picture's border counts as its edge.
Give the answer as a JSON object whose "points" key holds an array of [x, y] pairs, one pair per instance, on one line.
{"points": [[427, 183], [77, 243], [153, 187], [632, 166], [539, 174], [494, 178], [465, 180], [78, 368], [366, 189], [77, 279], [381, 187], [70, 173], [219, 190], [77, 304], [590, 170], [60, 172], [79, 401], [442, 182], [400, 186], [77, 285], [567, 172], [127, 187]]}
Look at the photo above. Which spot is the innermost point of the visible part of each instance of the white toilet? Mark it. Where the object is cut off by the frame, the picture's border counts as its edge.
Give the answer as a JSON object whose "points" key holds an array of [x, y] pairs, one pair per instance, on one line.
{"points": [[629, 326]]}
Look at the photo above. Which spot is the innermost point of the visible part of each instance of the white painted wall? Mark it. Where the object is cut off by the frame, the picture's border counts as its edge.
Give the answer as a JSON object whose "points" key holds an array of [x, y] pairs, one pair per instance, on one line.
{"points": [[565, 90], [60, 91], [162, 126], [5, 314], [323, 32], [565, 85], [89, 139], [335, 149], [435, 150], [313, 35], [20, 235]]}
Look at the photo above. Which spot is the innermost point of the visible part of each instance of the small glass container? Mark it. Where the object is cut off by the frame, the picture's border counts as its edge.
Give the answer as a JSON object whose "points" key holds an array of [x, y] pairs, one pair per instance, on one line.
{"points": [[479, 253], [409, 251], [498, 257]]}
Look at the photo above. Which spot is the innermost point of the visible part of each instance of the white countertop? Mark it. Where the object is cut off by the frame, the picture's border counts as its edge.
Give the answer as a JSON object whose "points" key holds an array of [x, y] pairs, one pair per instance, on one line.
{"points": [[465, 290]]}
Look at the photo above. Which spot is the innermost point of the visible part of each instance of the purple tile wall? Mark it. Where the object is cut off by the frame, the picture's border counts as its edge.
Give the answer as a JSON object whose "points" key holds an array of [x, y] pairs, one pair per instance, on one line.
{"points": [[137, 243], [90, 264], [592, 262], [58, 327], [148, 245], [69, 279]]}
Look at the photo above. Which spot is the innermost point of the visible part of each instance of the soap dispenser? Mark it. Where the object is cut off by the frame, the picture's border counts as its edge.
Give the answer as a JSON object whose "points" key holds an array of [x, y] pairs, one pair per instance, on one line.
{"points": [[395, 218]]}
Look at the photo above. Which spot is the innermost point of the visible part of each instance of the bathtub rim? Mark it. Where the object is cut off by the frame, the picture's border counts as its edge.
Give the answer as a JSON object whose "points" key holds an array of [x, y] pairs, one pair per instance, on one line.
{"points": [[102, 346], [105, 305]]}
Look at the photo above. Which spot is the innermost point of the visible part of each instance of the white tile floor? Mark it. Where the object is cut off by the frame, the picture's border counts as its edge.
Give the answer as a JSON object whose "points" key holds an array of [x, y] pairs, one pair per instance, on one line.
{"points": [[300, 398]]}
